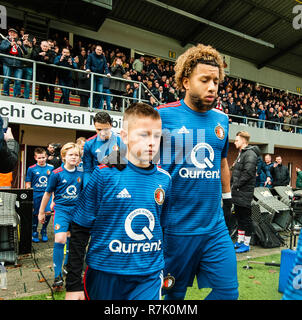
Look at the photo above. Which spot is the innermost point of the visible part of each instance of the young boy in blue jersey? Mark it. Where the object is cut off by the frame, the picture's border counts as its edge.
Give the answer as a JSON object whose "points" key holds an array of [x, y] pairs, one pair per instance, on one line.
{"points": [[100, 145], [124, 213], [194, 151], [65, 183], [37, 178]]}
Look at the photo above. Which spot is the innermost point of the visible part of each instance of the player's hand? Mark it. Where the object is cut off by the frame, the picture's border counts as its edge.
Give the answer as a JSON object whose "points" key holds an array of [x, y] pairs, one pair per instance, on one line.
{"points": [[76, 295], [41, 217], [227, 200], [114, 160]]}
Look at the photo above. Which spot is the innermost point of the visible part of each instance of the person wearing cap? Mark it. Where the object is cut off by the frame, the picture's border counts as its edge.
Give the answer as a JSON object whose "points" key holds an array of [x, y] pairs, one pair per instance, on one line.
{"points": [[12, 46]]}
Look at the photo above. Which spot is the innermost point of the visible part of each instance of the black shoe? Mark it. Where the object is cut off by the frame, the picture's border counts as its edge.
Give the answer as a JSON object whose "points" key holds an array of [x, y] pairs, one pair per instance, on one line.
{"points": [[58, 283]]}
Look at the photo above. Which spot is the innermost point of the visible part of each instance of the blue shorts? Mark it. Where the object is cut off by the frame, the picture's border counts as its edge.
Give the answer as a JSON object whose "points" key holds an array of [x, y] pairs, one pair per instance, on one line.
{"points": [[37, 202], [210, 257], [100, 285], [62, 218]]}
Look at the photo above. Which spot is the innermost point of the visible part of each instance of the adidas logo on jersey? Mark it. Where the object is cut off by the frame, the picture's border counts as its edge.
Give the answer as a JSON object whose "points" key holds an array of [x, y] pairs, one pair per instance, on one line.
{"points": [[183, 129], [64, 181], [124, 194]]}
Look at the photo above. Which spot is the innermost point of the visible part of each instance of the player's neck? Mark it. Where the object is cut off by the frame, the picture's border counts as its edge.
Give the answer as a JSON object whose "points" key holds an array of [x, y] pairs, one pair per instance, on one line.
{"points": [[191, 105], [137, 162]]}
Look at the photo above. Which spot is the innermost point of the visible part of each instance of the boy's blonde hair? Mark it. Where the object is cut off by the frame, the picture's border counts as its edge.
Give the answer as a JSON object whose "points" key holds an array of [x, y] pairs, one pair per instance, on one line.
{"points": [[244, 134], [68, 146]]}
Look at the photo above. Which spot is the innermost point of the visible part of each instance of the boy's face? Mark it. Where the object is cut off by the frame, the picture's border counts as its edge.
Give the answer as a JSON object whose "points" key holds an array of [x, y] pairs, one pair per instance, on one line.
{"points": [[72, 157], [40, 158], [142, 137]]}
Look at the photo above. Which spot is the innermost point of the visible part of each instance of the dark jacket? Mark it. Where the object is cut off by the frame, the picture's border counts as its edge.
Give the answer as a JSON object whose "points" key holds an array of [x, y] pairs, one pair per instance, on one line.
{"points": [[5, 48], [44, 72], [117, 85], [84, 83], [64, 74], [244, 176], [97, 63], [280, 175], [299, 180], [8, 152]]}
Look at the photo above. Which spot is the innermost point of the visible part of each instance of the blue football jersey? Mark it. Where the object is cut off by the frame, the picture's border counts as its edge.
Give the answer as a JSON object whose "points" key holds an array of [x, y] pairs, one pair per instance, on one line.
{"points": [[96, 149], [192, 147], [66, 185], [125, 212], [38, 176]]}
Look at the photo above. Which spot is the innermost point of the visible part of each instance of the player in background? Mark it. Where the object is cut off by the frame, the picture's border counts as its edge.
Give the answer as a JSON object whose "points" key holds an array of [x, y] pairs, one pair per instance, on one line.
{"points": [[65, 183], [124, 213], [37, 178], [100, 145], [194, 152]]}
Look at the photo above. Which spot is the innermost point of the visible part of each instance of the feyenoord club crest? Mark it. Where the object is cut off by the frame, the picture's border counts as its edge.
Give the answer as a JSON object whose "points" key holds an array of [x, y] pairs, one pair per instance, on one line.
{"points": [[219, 131], [159, 196], [169, 282], [115, 148], [57, 227], [79, 179], [48, 172]]}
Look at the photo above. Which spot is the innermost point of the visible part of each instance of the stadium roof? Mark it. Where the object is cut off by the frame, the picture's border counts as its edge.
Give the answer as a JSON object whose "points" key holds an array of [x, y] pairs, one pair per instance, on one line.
{"points": [[259, 31]]}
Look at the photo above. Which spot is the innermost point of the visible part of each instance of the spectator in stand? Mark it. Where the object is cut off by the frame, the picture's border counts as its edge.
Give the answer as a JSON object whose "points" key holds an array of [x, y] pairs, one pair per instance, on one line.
{"points": [[117, 87], [53, 72], [9, 149], [271, 116], [27, 66], [12, 46], [65, 76], [279, 173], [135, 93], [261, 116], [43, 54], [294, 122], [106, 89], [138, 64], [287, 120], [82, 57], [84, 83], [96, 62]]}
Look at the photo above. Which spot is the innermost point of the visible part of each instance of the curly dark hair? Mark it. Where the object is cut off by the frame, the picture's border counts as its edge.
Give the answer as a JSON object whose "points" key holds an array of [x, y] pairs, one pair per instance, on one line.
{"points": [[186, 62]]}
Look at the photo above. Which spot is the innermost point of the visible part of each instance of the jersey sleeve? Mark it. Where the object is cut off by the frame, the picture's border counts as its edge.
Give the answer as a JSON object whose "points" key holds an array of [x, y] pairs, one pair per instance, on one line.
{"points": [[28, 175], [225, 149], [52, 183], [87, 163], [89, 201]]}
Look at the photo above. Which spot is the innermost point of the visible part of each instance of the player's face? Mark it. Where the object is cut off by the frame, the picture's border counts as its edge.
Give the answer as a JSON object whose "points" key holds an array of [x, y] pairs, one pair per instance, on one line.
{"points": [[40, 158], [72, 157], [202, 87], [142, 138], [103, 130]]}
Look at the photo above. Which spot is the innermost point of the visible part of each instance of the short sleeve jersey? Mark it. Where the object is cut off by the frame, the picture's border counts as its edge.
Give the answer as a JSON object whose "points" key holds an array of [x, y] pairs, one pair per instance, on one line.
{"points": [[66, 185], [192, 147], [38, 176]]}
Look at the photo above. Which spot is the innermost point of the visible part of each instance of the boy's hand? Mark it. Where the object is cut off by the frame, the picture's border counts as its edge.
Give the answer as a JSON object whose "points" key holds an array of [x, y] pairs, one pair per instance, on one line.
{"points": [[76, 295], [41, 217]]}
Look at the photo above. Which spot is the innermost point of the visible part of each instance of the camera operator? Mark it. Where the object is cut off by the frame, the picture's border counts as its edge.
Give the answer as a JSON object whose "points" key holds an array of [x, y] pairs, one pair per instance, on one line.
{"points": [[9, 149], [65, 76], [53, 154]]}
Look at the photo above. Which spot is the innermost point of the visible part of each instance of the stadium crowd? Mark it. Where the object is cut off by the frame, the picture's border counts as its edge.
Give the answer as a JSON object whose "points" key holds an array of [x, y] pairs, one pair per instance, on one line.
{"points": [[239, 98]]}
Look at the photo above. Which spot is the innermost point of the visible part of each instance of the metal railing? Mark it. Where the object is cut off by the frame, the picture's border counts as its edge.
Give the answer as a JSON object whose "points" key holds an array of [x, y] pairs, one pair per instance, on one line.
{"points": [[242, 119], [92, 76], [264, 124]]}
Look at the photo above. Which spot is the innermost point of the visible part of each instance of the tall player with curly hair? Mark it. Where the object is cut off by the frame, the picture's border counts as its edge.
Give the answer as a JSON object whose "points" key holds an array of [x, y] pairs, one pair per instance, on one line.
{"points": [[194, 152]]}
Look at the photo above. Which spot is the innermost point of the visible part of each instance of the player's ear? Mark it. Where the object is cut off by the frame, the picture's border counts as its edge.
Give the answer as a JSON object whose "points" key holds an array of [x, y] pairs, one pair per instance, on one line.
{"points": [[185, 83], [124, 136]]}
